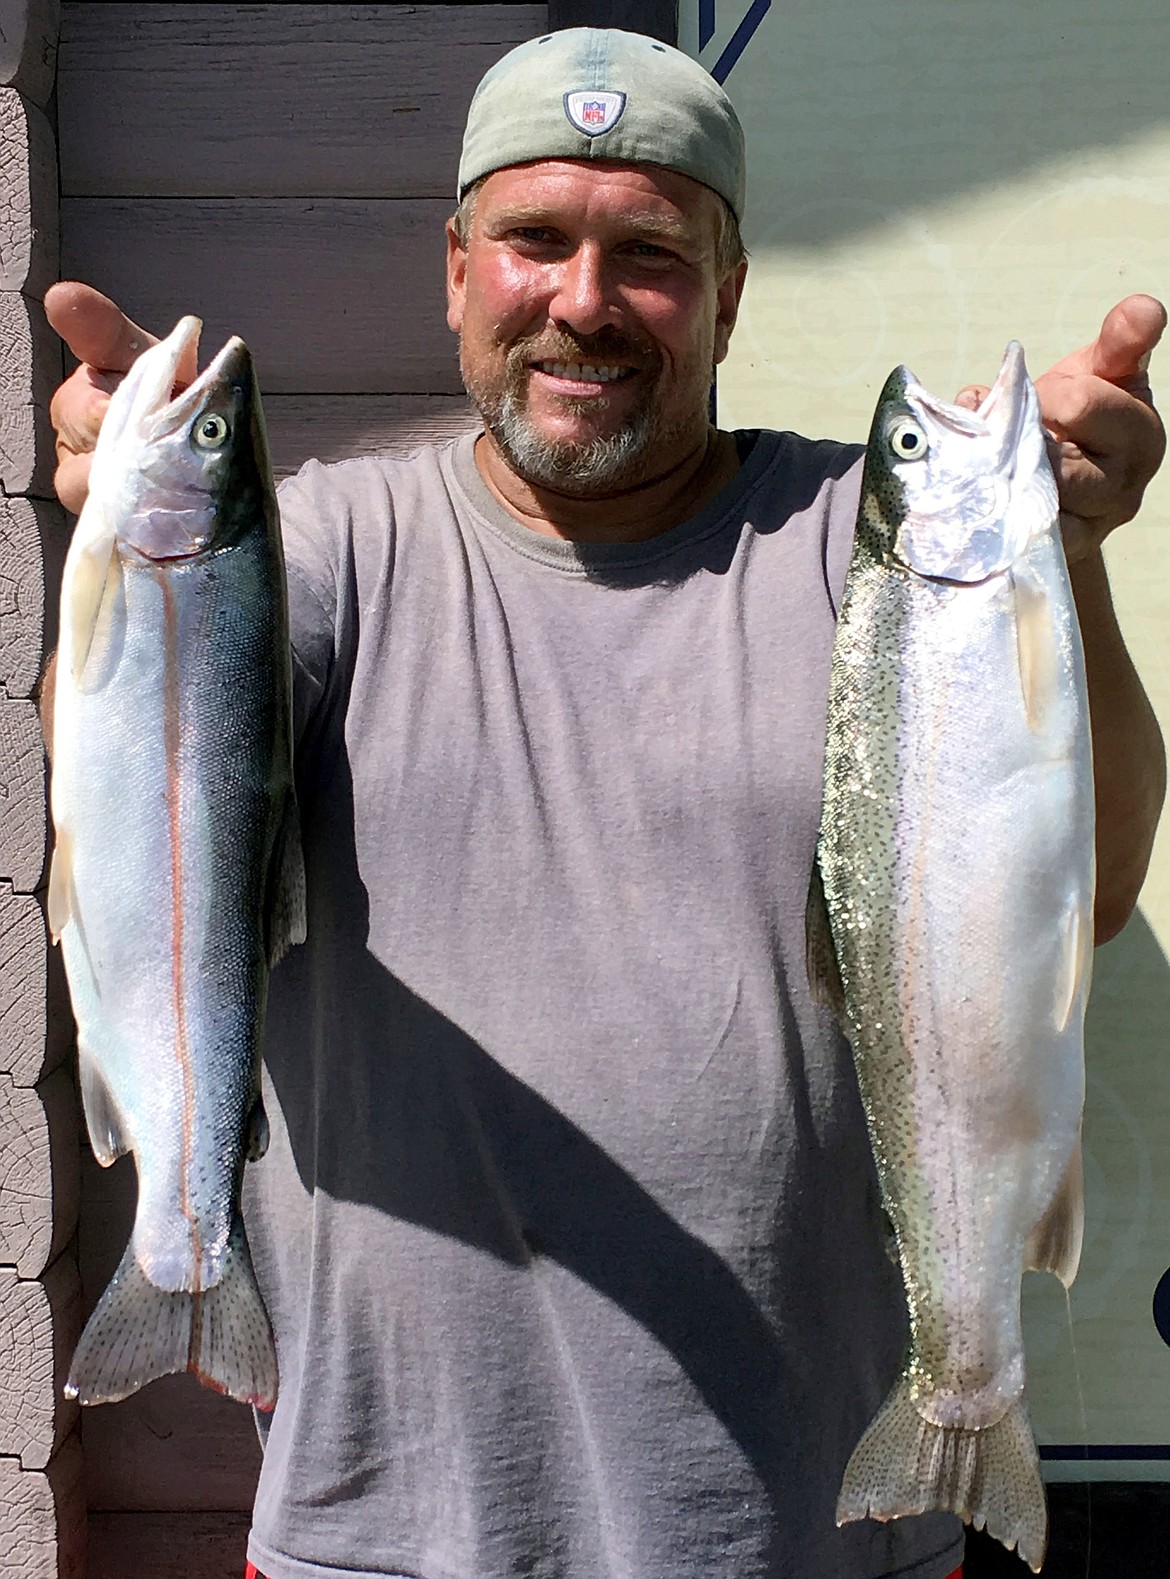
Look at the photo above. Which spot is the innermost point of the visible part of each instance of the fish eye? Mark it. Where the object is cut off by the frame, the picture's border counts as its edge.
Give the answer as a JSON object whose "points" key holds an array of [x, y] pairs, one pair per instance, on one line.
{"points": [[907, 440], [211, 431]]}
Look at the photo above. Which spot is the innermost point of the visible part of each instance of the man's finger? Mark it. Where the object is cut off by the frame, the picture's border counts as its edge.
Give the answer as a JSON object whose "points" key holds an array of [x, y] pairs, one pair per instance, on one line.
{"points": [[972, 396], [94, 328], [1121, 351]]}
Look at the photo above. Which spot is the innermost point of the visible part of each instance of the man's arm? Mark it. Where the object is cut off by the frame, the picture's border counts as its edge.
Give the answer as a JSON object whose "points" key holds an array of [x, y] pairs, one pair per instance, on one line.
{"points": [[1107, 443]]}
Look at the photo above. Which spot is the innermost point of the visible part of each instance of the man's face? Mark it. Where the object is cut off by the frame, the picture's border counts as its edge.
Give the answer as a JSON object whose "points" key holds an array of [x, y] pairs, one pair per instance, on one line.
{"points": [[590, 316]]}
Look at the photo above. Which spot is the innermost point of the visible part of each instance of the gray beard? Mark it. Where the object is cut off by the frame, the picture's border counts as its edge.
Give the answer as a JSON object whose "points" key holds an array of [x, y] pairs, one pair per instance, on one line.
{"points": [[604, 464]]}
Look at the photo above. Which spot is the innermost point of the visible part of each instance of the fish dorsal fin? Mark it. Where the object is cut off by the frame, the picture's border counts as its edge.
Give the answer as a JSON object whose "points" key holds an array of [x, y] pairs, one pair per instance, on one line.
{"points": [[824, 971], [102, 1120], [1036, 645], [286, 921], [1054, 1245], [60, 900], [95, 576]]}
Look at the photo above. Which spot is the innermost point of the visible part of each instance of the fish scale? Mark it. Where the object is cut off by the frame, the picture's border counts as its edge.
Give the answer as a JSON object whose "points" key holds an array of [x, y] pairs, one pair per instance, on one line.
{"points": [[950, 919]]}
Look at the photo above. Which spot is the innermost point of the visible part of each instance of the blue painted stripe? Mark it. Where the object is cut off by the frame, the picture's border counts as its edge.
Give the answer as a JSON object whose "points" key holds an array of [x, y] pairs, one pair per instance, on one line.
{"points": [[1138, 1451], [706, 22], [755, 14]]}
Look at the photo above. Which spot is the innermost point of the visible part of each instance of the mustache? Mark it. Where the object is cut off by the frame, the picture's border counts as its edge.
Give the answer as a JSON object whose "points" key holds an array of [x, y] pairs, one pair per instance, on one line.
{"points": [[606, 346]]}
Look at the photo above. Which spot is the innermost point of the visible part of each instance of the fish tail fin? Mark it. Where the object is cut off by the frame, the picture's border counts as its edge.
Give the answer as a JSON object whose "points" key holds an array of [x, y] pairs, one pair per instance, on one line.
{"points": [[139, 1332], [990, 1477]]}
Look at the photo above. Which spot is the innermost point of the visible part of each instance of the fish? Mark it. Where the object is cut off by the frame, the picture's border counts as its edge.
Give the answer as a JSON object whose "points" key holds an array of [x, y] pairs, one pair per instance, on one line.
{"points": [[177, 877], [950, 927]]}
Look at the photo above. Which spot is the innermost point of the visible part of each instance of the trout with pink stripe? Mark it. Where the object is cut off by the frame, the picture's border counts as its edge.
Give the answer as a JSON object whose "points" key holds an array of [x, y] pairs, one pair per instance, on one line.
{"points": [[177, 877]]}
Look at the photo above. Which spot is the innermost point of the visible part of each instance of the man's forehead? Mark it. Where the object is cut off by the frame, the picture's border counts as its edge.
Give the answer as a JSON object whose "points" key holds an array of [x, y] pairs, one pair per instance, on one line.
{"points": [[662, 197]]}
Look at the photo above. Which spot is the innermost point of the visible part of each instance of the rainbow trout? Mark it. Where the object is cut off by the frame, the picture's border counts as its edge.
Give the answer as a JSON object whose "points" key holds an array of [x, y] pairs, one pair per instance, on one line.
{"points": [[177, 877], [950, 925]]}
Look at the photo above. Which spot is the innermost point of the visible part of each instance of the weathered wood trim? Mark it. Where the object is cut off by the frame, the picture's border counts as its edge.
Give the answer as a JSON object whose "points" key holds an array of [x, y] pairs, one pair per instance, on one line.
{"points": [[39, 1171], [138, 1545], [30, 369], [22, 795], [24, 524], [29, 250], [658, 18], [42, 1517], [332, 327], [28, 46], [273, 100], [36, 1028], [40, 1322], [337, 427]]}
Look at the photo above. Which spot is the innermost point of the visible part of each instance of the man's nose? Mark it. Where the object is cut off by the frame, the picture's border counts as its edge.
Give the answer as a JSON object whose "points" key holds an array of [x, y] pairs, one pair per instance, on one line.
{"points": [[581, 300]]}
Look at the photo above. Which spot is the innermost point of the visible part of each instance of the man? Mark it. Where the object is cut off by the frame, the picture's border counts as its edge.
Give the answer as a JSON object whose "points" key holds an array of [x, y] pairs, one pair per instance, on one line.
{"points": [[568, 1225]]}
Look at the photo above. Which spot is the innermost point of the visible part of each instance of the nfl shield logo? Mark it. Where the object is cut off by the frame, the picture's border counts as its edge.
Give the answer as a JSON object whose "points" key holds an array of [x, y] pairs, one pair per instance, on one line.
{"points": [[594, 112]]}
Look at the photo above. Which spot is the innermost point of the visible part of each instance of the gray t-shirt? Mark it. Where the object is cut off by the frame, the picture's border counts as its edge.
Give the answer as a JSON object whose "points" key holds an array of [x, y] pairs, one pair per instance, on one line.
{"points": [[568, 1226]]}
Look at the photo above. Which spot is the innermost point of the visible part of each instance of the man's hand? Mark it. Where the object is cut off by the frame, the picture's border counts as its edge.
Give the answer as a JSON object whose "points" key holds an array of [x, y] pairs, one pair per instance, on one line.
{"points": [[1107, 438], [106, 343]]}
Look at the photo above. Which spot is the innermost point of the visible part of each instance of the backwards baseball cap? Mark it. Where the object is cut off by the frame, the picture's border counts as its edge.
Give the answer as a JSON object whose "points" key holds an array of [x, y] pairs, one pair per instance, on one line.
{"points": [[599, 93]]}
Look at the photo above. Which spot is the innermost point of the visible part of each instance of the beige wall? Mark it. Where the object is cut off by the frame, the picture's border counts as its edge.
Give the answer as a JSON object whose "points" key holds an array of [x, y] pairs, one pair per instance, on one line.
{"points": [[927, 181]]}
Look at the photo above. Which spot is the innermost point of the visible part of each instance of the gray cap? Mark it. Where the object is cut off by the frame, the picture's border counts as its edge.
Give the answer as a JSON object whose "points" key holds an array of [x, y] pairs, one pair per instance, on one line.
{"points": [[598, 93]]}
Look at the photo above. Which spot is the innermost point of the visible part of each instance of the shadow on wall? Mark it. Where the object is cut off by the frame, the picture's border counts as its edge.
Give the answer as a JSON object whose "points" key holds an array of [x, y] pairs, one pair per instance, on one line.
{"points": [[856, 113]]}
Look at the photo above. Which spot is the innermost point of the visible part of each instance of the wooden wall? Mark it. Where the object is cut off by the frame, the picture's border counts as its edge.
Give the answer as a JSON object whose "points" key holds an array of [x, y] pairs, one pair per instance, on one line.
{"points": [[42, 1511]]}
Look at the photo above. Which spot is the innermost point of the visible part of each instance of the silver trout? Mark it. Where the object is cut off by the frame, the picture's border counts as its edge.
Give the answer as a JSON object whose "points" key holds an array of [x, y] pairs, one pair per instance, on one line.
{"points": [[950, 925], [177, 876]]}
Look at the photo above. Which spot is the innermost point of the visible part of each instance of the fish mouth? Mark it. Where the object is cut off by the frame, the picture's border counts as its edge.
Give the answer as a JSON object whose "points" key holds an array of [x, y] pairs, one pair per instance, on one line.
{"points": [[1002, 414], [231, 365]]}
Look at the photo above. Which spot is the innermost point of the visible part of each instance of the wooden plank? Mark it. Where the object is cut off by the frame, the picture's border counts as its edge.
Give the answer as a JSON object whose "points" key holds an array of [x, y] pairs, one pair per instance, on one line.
{"points": [[657, 18], [23, 522], [337, 427], [23, 989], [22, 795], [29, 243], [174, 1444], [40, 1323], [333, 297], [39, 1171], [30, 368], [42, 1517], [273, 100], [159, 1545], [28, 46]]}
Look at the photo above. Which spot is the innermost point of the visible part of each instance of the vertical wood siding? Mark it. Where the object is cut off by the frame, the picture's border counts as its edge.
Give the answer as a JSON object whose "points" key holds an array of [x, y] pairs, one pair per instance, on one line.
{"points": [[42, 1507]]}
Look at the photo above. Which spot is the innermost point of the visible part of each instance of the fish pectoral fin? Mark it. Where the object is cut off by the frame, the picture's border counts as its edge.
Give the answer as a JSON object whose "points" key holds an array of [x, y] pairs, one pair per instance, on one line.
{"points": [[990, 1477], [59, 906], [1036, 645], [102, 1119], [1054, 1245], [824, 972], [96, 585], [286, 911]]}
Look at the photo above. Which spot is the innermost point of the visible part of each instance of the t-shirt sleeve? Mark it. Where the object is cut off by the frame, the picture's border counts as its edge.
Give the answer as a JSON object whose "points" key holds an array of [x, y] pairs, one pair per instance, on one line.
{"points": [[313, 521]]}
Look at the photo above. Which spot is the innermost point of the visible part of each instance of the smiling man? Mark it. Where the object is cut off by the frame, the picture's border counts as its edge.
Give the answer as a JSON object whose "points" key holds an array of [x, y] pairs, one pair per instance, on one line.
{"points": [[568, 1225]]}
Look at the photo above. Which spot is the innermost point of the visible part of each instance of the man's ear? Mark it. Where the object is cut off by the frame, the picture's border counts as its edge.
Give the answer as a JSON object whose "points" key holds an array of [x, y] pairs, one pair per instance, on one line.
{"points": [[456, 278], [727, 311]]}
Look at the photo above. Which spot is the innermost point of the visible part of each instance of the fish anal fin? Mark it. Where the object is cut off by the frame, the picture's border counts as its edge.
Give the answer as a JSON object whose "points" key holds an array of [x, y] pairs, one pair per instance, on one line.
{"points": [[106, 1129], [1054, 1245], [824, 972], [990, 1477], [140, 1331], [1036, 646], [1076, 964], [258, 1132], [286, 918], [59, 906]]}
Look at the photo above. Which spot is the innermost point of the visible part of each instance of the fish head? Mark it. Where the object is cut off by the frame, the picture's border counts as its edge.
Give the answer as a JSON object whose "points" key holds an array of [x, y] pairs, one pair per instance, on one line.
{"points": [[957, 495], [178, 475]]}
